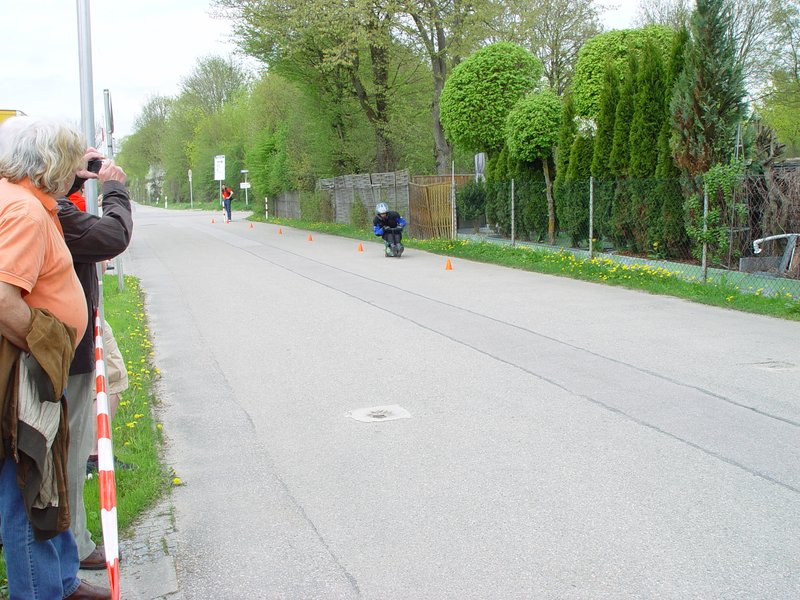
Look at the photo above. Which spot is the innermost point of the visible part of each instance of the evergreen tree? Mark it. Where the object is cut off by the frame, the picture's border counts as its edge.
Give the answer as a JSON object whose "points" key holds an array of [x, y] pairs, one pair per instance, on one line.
{"points": [[566, 135], [666, 164], [620, 150], [648, 115], [620, 229], [604, 138], [648, 111], [674, 241], [574, 205], [708, 99]]}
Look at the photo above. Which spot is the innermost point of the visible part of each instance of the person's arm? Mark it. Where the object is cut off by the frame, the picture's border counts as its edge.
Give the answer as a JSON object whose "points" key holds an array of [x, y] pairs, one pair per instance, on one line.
{"points": [[15, 315], [92, 239]]}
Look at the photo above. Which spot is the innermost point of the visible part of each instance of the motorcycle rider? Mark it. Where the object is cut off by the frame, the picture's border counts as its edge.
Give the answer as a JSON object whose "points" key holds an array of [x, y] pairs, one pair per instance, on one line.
{"points": [[389, 225]]}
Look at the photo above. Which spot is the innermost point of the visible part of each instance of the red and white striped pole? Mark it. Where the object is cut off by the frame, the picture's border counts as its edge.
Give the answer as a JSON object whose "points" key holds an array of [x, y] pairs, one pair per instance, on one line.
{"points": [[105, 465]]}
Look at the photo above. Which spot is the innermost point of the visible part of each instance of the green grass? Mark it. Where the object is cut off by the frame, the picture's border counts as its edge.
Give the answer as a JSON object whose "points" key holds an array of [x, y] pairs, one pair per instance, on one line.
{"points": [[136, 436], [655, 280]]}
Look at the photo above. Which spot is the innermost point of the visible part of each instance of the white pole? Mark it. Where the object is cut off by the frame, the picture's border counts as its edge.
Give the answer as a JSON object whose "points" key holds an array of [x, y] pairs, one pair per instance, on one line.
{"points": [[591, 217], [453, 218], [191, 191], [87, 93], [513, 217], [705, 231], [109, 124]]}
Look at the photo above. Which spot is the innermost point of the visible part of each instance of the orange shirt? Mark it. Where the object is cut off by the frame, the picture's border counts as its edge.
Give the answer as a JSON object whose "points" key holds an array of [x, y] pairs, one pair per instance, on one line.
{"points": [[34, 257]]}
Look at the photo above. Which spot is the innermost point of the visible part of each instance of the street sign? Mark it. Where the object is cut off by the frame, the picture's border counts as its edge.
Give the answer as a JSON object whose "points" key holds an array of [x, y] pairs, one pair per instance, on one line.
{"points": [[245, 185], [219, 168], [190, 174]]}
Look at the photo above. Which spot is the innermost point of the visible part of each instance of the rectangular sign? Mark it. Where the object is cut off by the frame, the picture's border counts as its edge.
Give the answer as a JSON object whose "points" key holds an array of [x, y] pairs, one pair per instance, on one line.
{"points": [[245, 185], [219, 168]]}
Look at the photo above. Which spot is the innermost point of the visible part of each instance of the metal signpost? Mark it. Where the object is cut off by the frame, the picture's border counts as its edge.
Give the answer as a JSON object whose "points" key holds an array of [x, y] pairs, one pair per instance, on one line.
{"points": [[191, 193], [245, 185], [219, 173]]}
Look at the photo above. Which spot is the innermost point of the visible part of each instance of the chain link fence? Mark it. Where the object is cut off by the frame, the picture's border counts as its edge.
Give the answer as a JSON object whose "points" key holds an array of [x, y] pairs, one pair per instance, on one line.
{"points": [[745, 235]]}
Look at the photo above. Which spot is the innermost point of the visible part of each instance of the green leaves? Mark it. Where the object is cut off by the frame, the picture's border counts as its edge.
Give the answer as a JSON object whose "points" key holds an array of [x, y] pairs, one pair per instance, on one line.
{"points": [[482, 90], [532, 126]]}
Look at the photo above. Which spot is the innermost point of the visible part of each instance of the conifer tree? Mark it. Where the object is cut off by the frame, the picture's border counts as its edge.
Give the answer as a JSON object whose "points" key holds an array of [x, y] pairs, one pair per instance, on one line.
{"points": [[708, 99], [666, 164], [674, 241], [604, 138], [620, 150], [566, 135], [648, 114], [648, 111]]}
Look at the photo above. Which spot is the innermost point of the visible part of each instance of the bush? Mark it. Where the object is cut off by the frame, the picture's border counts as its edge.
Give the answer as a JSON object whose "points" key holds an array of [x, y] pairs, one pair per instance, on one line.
{"points": [[316, 207], [471, 201], [359, 217]]}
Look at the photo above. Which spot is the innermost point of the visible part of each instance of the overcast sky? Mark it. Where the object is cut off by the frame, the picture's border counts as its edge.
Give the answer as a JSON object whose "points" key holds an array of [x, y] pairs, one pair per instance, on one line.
{"points": [[140, 49]]}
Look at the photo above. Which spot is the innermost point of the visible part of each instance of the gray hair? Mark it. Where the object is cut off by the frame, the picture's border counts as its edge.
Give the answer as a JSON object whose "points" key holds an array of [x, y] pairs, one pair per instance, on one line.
{"points": [[48, 152]]}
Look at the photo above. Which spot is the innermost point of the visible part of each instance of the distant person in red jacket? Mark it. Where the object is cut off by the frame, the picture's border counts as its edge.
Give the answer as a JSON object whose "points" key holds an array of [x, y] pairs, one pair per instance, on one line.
{"points": [[227, 194]]}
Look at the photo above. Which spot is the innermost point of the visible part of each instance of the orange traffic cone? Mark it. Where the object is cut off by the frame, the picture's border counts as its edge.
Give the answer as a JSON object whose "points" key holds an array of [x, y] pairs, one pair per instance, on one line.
{"points": [[213, 221], [360, 248], [280, 231], [251, 225], [448, 266], [310, 239]]}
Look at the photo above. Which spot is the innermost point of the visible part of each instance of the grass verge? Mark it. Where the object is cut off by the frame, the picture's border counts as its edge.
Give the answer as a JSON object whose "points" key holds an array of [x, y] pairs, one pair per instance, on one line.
{"points": [[136, 436], [654, 280]]}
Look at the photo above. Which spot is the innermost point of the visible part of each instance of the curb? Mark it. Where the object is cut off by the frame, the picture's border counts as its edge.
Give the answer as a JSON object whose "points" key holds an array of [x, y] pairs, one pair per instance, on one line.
{"points": [[147, 568]]}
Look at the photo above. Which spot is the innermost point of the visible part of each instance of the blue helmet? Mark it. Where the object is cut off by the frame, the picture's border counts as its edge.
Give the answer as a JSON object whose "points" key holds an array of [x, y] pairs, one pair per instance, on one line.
{"points": [[381, 208]]}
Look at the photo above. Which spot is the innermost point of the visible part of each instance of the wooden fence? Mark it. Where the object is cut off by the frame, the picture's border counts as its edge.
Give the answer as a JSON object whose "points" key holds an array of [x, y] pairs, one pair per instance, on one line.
{"points": [[430, 211], [430, 205]]}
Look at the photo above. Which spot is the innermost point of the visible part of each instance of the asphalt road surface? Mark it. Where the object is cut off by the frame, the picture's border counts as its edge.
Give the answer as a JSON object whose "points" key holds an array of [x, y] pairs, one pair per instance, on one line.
{"points": [[565, 440]]}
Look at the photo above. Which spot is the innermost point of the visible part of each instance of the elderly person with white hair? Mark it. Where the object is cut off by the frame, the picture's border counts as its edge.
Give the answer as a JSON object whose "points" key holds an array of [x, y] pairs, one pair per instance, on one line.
{"points": [[42, 316]]}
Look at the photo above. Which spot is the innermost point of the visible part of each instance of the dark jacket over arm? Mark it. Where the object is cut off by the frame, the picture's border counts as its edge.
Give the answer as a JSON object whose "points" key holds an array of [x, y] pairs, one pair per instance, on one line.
{"points": [[92, 239]]}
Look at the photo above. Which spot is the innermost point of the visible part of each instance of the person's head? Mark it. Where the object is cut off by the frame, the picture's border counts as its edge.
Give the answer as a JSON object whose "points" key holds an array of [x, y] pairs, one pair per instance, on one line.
{"points": [[45, 151], [381, 209]]}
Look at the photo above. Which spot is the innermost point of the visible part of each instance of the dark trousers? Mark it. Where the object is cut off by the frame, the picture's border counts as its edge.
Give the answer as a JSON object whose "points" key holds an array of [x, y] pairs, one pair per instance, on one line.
{"points": [[393, 236], [227, 205]]}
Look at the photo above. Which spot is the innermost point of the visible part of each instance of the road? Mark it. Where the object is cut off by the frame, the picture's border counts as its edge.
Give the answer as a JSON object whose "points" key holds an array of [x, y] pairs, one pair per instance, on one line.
{"points": [[565, 440]]}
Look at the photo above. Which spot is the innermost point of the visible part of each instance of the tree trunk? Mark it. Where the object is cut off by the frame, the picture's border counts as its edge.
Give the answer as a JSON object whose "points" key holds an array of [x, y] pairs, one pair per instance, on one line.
{"points": [[443, 153], [551, 207]]}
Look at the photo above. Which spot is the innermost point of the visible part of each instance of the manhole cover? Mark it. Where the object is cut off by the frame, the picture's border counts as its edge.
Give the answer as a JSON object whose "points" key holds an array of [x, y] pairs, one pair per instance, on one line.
{"points": [[379, 413]]}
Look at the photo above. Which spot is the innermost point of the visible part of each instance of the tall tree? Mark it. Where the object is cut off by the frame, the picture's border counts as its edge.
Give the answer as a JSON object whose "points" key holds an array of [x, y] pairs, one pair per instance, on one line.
{"points": [[648, 111], [671, 13], [554, 30], [755, 26], [566, 135], [214, 81], [708, 99], [445, 31], [482, 91], [531, 133], [616, 47], [344, 49], [603, 141], [620, 149]]}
